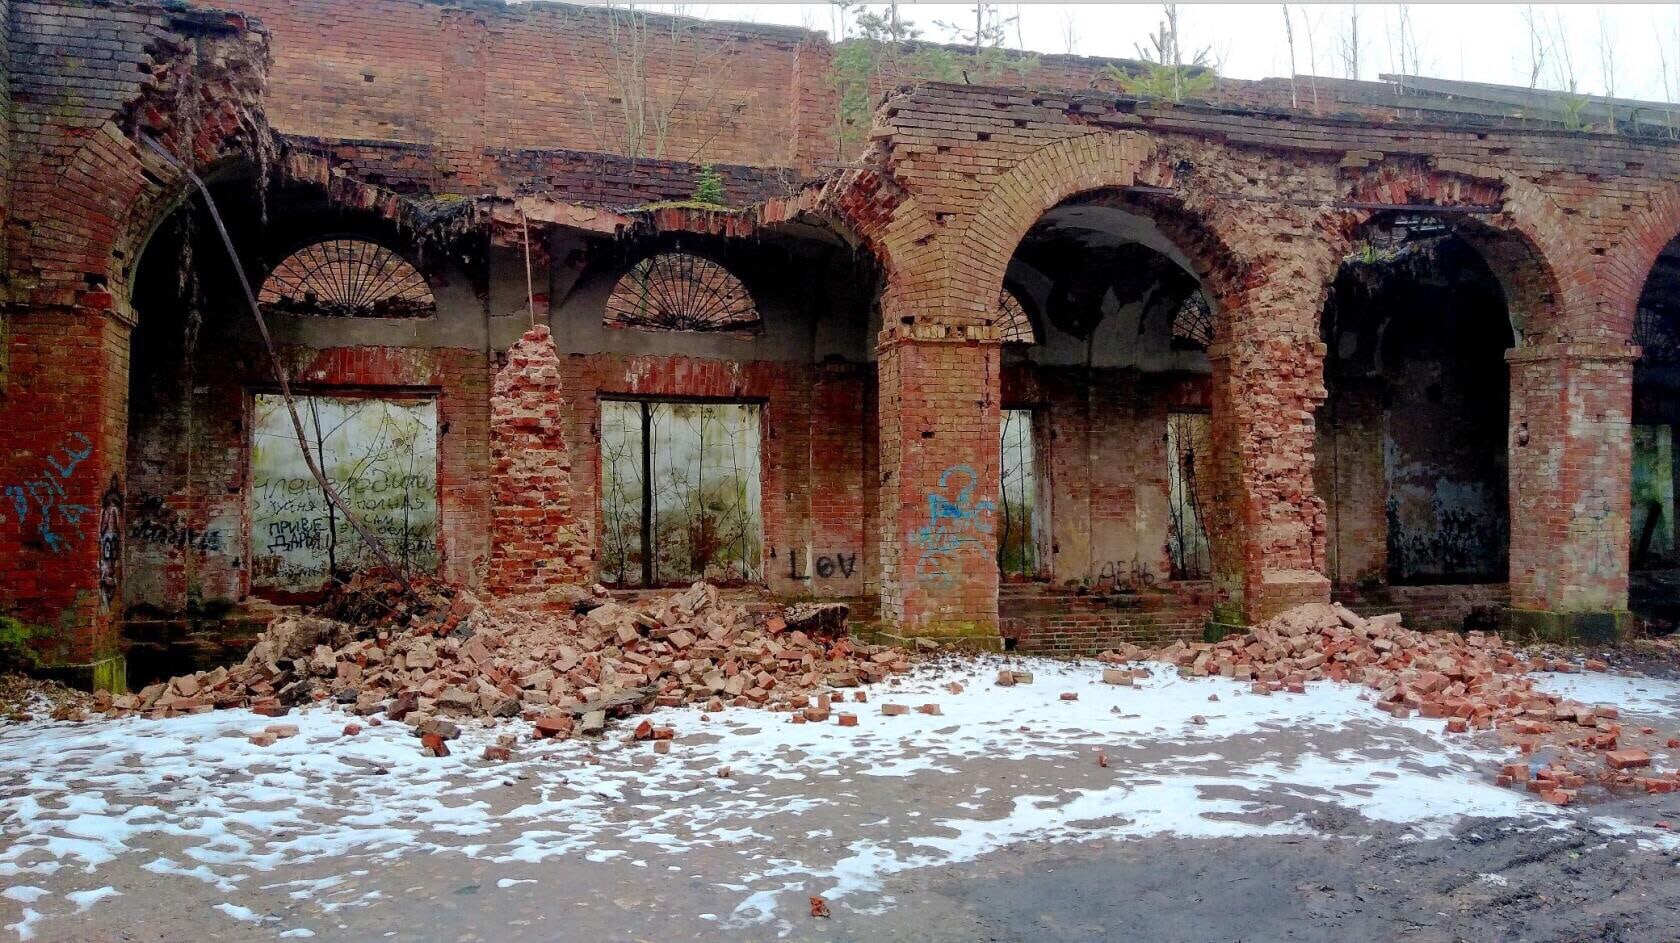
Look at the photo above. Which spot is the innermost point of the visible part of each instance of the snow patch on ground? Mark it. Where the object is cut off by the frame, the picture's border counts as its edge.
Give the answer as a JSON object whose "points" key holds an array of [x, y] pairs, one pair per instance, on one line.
{"points": [[1636, 695], [807, 809]]}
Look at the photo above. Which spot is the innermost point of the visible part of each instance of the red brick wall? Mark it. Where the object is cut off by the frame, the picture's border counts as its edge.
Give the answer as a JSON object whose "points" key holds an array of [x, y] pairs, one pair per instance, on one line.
{"points": [[815, 464], [61, 450], [544, 75], [940, 402], [535, 540], [193, 479], [1106, 462]]}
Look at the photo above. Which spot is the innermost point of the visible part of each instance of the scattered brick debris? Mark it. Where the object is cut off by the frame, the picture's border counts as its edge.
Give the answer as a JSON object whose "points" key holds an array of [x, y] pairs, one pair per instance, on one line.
{"points": [[569, 659]]}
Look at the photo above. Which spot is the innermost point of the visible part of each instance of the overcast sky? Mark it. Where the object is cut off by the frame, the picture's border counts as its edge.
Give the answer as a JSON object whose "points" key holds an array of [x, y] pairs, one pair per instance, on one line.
{"points": [[1604, 46]]}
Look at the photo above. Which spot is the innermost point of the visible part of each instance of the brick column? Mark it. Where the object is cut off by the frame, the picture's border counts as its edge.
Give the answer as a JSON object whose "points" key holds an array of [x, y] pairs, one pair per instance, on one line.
{"points": [[939, 424], [62, 451], [535, 539], [1267, 524], [1571, 465]]}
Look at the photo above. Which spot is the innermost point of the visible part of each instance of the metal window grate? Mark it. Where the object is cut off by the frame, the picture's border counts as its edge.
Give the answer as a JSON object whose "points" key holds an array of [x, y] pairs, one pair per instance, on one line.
{"points": [[1013, 321], [347, 278], [679, 291], [1193, 323]]}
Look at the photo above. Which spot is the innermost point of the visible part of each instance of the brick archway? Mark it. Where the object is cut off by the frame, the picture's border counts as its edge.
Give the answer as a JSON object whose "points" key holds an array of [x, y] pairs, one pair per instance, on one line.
{"points": [[85, 203], [1627, 265], [979, 252], [1524, 243]]}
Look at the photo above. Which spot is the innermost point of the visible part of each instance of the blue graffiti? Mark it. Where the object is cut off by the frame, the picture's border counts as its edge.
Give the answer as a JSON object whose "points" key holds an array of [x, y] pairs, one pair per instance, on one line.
{"points": [[44, 494], [955, 524]]}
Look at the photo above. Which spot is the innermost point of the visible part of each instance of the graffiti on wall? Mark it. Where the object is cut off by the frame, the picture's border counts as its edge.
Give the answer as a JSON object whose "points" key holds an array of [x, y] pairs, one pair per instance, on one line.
{"points": [[156, 523], [824, 566], [1591, 530], [380, 453], [956, 521], [38, 501], [110, 540]]}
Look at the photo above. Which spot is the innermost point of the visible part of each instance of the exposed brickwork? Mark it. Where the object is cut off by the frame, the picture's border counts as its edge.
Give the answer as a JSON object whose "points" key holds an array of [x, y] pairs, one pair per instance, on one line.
{"points": [[939, 405], [1455, 607], [422, 99], [1571, 458], [187, 519], [1037, 620], [535, 542], [469, 80], [815, 462]]}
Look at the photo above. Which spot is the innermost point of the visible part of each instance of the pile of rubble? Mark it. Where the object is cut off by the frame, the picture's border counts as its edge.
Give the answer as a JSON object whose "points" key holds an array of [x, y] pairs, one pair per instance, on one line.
{"points": [[1471, 682], [567, 660], [23, 698]]}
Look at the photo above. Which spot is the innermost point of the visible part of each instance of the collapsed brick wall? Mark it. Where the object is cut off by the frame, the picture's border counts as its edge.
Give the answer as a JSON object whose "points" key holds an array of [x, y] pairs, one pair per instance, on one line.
{"points": [[535, 541]]}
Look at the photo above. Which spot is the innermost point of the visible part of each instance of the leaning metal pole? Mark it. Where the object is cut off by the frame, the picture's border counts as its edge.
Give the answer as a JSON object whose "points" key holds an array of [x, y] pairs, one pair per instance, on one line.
{"points": [[327, 488]]}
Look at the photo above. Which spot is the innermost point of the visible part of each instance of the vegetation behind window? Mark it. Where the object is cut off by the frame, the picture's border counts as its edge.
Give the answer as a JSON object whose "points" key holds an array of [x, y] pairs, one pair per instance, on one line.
{"points": [[1189, 441], [1020, 518], [380, 455], [683, 480]]}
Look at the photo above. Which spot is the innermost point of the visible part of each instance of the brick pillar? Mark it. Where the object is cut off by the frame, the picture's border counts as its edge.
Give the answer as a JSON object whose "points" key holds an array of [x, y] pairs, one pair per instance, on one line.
{"points": [[939, 425], [535, 540], [1267, 524], [62, 448], [1571, 462]]}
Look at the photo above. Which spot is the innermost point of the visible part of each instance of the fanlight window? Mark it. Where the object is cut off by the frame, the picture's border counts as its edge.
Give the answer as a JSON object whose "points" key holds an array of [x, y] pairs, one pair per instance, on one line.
{"points": [[1193, 323], [677, 291], [1013, 321], [347, 278]]}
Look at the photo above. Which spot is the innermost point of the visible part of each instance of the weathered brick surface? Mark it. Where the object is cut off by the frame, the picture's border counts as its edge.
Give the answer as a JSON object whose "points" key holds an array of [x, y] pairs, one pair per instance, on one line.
{"points": [[939, 409], [414, 97], [466, 80], [535, 542]]}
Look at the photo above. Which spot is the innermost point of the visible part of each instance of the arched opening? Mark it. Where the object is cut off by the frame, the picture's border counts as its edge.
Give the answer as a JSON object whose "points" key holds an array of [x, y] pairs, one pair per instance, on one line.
{"points": [[729, 386], [1411, 452], [1106, 421], [1654, 553], [383, 341]]}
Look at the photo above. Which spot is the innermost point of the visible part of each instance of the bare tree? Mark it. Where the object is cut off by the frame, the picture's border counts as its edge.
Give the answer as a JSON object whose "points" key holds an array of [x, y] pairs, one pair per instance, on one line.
{"points": [[1070, 34], [654, 66], [1538, 45], [1402, 44], [1348, 44], [1563, 60], [1289, 40], [1607, 63], [1308, 19]]}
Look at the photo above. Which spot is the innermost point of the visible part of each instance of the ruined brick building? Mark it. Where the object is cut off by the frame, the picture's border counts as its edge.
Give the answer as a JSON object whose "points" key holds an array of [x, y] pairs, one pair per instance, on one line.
{"points": [[566, 296]]}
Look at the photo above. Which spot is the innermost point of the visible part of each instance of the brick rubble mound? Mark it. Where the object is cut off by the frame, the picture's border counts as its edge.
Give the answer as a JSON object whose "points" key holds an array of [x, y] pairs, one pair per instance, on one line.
{"points": [[1472, 681], [567, 660]]}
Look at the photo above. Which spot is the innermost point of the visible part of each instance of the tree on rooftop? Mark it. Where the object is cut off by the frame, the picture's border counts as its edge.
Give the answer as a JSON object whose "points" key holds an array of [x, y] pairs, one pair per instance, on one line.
{"points": [[1165, 73]]}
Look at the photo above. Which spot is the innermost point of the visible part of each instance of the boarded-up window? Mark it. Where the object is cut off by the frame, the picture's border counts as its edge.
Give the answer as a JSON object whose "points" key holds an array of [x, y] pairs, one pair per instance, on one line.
{"points": [[1189, 440], [1022, 523], [381, 456], [683, 479]]}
